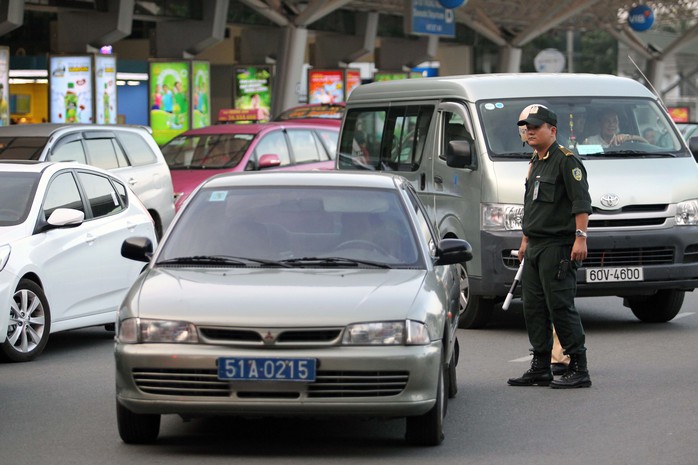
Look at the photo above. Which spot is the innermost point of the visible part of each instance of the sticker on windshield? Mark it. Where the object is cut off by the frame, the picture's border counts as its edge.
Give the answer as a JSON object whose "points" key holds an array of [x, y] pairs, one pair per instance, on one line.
{"points": [[489, 106], [499, 105], [218, 196]]}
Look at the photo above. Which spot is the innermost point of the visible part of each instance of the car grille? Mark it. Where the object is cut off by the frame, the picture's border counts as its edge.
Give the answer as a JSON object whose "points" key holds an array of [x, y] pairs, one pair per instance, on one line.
{"points": [[328, 384], [263, 336], [646, 256]]}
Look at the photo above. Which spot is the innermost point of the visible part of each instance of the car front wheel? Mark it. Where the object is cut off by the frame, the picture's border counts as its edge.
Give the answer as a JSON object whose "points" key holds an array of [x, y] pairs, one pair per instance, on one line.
{"points": [[29, 324], [135, 428], [428, 429]]}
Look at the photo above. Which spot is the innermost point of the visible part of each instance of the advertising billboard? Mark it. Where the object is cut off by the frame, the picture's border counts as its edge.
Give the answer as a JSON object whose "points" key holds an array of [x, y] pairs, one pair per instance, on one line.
{"points": [[201, 94], [352, 80], [325, 85], [71, 89], [105, 89], [169, 99], [4, 86], [252, 89]]}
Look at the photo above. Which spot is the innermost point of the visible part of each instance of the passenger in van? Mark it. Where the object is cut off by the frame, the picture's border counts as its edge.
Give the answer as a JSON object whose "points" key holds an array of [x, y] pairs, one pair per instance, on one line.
{"points": [[557, 205], [609, 135]]}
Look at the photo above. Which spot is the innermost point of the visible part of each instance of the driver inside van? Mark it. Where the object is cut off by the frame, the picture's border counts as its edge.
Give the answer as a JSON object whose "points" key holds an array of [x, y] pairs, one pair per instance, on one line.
{"points": [[609, 136]]}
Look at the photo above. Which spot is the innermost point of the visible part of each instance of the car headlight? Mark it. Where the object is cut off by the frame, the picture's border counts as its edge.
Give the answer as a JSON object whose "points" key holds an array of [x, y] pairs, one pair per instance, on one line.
{"points": [[501, 217], [4, 255], [137, 330], [386, 333], [687, 213]]}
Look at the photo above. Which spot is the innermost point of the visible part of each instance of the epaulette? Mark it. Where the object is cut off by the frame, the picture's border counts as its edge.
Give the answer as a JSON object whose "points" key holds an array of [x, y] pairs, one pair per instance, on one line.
{"points": [[566, 151]]}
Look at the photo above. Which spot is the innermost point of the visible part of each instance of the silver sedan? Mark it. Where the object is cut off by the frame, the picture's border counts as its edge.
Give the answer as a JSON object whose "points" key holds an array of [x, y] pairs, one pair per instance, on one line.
{"points": [[315, 293]]}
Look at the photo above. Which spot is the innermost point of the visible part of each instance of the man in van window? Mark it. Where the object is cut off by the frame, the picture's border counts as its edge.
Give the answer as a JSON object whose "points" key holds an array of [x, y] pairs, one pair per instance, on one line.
{"points": [[556, 214], [609, 135]]}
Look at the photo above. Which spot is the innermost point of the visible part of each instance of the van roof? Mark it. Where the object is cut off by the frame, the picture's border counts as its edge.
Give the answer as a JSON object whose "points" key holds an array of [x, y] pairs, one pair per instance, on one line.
{"points": [[475, 87]]}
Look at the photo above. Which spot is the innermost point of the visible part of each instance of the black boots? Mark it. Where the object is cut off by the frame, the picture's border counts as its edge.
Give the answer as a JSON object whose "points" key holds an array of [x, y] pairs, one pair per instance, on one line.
{"points": [[538, 375], [577, 375]]}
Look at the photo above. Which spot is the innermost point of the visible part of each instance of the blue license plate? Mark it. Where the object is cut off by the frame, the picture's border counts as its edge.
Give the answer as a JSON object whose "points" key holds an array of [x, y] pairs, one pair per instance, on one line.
{"points": [[266, 369]]}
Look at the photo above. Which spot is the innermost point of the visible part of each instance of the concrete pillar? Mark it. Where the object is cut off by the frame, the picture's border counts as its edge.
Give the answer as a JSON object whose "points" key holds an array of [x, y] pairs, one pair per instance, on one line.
{"points": [[509, 59], [289, 66], [82, 31], [188, 38], [334, 51], [11, 15], [655, 73]]}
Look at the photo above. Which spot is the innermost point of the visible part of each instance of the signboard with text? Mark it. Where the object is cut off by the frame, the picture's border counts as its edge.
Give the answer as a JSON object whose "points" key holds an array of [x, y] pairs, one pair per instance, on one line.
{"points": [[325, 85], [429, 18], [252, 89]]}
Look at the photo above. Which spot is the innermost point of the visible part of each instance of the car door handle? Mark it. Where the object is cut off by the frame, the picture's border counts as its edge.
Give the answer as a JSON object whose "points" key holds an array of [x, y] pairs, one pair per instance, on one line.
{"points": [[130, 225], [438, 180], [132, 182], [89, 238]]}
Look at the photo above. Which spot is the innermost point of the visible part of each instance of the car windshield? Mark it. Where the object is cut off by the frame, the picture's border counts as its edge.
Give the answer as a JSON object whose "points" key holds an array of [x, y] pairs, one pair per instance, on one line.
{"points": [[599, 127], [309, 227], [213, 151], [16, 191], [21, 148]]}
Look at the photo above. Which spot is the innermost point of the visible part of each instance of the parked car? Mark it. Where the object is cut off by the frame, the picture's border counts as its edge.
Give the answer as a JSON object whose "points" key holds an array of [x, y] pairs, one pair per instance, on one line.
{"points": [[128, 151], [61, 230], [688, 130], [292, 293], [314, 113], [198, 154]]}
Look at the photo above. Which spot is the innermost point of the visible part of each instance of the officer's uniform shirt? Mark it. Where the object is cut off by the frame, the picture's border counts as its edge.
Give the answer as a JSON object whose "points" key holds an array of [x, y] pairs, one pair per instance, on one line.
{"points": [[556, 190]]}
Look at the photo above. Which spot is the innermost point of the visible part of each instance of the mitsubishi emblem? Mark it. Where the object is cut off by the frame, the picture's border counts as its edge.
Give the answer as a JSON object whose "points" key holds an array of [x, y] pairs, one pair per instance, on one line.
{"points": [[269, 338]]}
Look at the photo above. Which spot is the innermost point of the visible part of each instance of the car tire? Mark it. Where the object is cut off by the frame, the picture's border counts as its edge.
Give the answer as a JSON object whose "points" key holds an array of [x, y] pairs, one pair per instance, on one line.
{"points": [[475, 311], [136, 428], [452, 374], [428, 429], [29, 325], [658, 308]]}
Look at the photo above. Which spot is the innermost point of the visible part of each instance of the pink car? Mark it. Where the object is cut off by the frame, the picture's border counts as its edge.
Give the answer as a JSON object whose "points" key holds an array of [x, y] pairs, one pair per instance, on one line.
{"points": [[198, 154]]}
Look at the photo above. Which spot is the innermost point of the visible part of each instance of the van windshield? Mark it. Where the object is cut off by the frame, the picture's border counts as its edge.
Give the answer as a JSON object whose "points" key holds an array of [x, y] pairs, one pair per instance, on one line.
{"points": [[599, 127]]}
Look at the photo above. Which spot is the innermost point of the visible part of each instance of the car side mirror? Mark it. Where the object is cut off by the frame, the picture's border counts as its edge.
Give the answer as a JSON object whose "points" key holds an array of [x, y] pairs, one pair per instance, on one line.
{"points": [[693, 146], [451, 251], [62, 218], [459, 154], [269, 160], [139, 249]]}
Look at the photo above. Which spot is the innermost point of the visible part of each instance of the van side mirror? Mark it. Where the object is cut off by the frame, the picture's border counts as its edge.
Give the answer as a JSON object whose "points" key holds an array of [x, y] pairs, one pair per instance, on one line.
{"points": [[459, 154], [693, 146]]}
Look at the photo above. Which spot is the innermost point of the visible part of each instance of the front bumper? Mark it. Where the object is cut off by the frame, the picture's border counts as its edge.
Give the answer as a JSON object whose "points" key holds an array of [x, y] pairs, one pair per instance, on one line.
{"points": [[365, 381], [675, 268]]}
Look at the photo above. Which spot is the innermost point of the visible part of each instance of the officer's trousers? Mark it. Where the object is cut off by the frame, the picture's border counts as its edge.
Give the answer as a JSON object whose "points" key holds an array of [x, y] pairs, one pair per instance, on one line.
{"points": [[548, 300]]}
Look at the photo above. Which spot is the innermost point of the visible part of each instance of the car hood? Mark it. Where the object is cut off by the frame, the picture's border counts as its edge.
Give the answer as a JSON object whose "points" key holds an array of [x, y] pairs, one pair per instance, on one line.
{"points": [[619, 177], [187, 180], [10, 234], [273, 297]]}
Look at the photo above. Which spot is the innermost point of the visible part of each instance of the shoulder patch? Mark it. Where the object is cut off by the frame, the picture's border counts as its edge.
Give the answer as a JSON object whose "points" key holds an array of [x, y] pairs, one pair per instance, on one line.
{"points": [[566, 151]]}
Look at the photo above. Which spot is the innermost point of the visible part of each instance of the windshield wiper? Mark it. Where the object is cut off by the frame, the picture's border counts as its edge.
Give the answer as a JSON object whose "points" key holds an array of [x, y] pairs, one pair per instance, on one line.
{"points": [[522, 155], [638, 153], [220, 260], [332, 261]]}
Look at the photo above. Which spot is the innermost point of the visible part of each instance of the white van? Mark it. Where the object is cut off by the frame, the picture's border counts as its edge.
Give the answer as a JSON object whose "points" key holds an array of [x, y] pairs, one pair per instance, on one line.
{"points": [[456, 139]]}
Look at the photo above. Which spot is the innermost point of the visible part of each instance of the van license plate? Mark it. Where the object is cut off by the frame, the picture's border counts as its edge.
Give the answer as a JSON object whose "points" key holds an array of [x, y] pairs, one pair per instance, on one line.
{"points": [[266, 369], [606, 275]]}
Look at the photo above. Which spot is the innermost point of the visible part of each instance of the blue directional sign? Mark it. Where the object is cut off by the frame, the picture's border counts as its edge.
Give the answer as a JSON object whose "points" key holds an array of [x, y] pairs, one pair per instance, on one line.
{"points": [[429, 18]]}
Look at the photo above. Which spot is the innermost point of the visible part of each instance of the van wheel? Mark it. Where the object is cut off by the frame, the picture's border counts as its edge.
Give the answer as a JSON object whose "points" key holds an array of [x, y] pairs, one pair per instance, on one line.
{"points": [[658, 308], [475, 312]]}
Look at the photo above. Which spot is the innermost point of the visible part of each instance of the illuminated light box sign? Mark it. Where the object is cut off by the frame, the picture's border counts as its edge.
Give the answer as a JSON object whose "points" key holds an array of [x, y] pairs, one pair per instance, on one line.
{"points": [[105, 89], [325, 85], [170, 109], [71, 91], [201, 94], [252, 89], [234, 115]]}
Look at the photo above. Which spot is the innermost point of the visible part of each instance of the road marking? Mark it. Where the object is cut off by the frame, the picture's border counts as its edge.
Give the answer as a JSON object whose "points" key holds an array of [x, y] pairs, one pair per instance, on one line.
{"points": [[522, 359], [682, 315]]}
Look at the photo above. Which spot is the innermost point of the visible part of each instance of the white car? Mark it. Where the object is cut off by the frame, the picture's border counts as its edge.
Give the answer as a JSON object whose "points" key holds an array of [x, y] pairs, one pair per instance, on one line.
{"points": [[61, 230], [293, 293], [128, 151]]}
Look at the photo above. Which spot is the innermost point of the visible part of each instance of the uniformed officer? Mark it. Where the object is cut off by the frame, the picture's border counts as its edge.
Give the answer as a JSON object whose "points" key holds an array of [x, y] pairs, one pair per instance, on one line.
{"points": [[556, 214]]}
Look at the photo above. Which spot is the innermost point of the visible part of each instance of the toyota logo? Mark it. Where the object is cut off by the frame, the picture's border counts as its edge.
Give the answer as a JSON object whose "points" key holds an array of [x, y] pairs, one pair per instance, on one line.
{"points": [[609, 200]]}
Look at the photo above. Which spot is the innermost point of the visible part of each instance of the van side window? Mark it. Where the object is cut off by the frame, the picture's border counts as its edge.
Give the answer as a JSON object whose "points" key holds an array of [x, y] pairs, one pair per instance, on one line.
{"points": [[105, 154], [138, 150], [391, 139], [454, 129]]}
